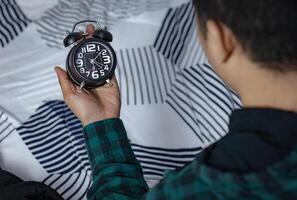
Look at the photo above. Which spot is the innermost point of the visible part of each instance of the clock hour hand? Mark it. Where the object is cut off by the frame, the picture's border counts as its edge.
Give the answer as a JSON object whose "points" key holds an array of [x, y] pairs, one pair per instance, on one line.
{"points": [[93, 64]]}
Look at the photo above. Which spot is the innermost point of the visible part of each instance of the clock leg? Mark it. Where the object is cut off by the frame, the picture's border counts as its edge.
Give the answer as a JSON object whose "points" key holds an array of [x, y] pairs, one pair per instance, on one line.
{"points": [[109, 83], [82, 85]]}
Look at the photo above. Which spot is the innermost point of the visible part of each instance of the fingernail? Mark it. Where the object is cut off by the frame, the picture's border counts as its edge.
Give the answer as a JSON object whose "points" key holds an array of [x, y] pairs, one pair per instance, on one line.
{"points": [[90, 25], [57, 68]]}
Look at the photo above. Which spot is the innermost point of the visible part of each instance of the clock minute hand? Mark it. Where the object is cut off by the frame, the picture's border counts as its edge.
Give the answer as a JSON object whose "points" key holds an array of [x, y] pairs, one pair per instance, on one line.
{"points": [[98, 63], [98, 55]]}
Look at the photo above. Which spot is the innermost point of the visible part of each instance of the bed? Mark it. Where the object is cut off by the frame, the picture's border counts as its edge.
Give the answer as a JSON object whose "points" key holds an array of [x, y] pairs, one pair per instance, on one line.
{"points": [[173, 104]]}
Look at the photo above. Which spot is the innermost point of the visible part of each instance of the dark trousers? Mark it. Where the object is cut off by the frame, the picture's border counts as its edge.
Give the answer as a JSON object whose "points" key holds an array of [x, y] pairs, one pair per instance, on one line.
{"points": [[14, 188]]}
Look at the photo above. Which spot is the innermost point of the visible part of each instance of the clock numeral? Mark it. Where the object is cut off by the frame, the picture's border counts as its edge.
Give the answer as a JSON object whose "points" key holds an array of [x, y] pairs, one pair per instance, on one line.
{"points": [[79, 63], [80, 55], [102, 73], [82, 70], [98, 48], [106, 59], [88, 73], [83, 50], [91, 48], [95, 75], [104, 52], [106, 67]]}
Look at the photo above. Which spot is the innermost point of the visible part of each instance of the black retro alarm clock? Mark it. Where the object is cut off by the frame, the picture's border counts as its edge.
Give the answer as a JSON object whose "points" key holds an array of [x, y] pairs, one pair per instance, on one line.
{"points": [[91, 61]]}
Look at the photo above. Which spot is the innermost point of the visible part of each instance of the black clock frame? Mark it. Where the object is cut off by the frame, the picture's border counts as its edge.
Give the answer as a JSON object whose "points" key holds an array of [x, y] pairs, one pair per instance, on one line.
{"points": [[101, 36], [76, 77]]}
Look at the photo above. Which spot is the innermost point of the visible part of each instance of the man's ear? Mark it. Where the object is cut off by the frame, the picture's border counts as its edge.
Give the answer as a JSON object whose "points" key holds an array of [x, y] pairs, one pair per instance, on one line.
{"points": [[220, 42]]}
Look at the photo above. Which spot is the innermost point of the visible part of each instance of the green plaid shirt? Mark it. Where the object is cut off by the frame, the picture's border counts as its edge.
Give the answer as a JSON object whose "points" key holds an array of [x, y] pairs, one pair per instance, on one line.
{"points": [[118, 175]]}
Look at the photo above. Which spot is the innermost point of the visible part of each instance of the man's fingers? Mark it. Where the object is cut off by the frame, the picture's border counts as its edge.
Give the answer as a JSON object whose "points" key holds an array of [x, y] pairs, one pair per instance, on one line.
{"points": [[65, 83], [90, 30]]}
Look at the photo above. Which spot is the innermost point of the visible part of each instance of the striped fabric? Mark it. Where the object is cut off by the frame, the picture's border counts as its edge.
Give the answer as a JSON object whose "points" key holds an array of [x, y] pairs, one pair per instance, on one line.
{"points": [[148, 73], [12, 21], [156, 161], [177, 38], [197, 94], [70, 186], [55, 138], [56, 21], [203, 101], [53, 134], [6, 126], [144, 75]]}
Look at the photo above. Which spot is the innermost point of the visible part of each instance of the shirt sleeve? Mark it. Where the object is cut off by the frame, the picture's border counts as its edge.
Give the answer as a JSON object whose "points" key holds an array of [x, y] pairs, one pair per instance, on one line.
{"points": [[116, 173]]}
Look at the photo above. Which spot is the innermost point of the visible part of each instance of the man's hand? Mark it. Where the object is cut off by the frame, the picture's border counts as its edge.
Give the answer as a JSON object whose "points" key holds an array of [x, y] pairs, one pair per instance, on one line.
{"points": [[93, 105]]}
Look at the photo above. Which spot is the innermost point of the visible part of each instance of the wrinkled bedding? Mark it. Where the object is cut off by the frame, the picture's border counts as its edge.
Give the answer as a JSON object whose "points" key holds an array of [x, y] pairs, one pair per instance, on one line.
{"points": [[174, 105]]}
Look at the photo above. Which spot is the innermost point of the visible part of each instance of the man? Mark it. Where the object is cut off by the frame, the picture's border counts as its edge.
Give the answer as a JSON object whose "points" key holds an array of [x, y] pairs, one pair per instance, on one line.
{"points": [[252, 46]]}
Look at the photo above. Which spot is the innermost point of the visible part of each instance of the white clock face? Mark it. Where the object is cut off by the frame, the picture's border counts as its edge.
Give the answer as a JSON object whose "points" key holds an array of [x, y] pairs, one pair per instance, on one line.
{"points": [[94, 60]]}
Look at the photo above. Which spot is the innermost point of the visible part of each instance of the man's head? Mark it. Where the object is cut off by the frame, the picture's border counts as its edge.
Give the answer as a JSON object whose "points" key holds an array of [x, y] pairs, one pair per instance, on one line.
{"points": [[238, 34]]}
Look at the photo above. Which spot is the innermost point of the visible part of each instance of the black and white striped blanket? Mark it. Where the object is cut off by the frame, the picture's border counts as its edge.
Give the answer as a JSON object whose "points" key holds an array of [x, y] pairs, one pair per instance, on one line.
{"points": [[174, 105]]}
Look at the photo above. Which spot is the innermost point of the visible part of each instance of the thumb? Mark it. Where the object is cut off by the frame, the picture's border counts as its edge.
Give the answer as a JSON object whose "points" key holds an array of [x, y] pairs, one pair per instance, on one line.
{"points": [[65, 84], [90, 30]]}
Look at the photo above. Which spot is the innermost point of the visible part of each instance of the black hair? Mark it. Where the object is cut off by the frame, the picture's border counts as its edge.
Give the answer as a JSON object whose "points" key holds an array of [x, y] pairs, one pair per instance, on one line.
{"points": [[266, 29]]}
